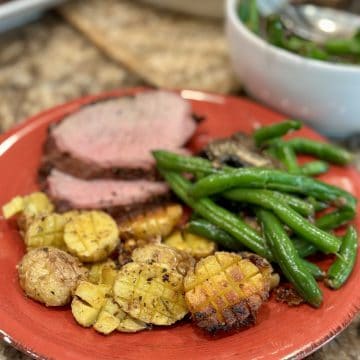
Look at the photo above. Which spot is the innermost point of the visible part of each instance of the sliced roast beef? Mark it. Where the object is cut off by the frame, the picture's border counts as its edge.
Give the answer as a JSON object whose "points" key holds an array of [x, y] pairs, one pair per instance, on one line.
{"points": [[118, 197], [114, 138]]}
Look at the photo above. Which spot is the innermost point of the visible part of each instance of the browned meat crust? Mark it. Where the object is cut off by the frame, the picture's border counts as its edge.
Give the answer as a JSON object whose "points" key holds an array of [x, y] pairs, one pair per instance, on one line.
{"points": [[54, 158]]}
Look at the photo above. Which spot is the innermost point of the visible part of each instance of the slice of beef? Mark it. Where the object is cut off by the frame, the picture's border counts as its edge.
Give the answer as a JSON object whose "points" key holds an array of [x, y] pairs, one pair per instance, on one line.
{"points": [[120, 198], [114, 138]]}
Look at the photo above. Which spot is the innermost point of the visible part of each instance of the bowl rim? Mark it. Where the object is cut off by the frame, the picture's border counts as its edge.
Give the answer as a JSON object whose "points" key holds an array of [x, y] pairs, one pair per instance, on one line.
{"points": [[232, 16]]}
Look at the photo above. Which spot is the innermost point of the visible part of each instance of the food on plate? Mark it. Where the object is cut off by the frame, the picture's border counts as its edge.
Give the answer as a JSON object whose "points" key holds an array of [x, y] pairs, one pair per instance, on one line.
{"points": [[88, 301], [28, 208], [50, 275], [342, 267], [46, 230], [147, 228], [225, 291], [31, 205], [118, 197], [111, 318], [210, 231], [164, 255], [152, 293], [158, 222], [129, 245], [130, 325], [94, 305], [111, 130], [108, 238], [278, 197], [288, 259], [272, 29], [91, 236], [103, 272], [195, 245], [237, 150]]}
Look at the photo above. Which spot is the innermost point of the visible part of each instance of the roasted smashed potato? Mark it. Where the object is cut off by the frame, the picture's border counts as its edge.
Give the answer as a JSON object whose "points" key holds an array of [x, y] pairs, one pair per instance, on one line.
{"points": [[155, 223], [91, 236], [129, 245], [46, 230], [151, 293], [164, 255], [88, 301], [31, 205], [103, 273], [93, 305], [225, 290], [111, 318], [195, 245], [28, 207], [50, 275]]}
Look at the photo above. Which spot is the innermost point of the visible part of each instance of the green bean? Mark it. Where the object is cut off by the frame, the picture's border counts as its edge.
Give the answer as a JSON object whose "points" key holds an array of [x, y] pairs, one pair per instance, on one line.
{"points": [[218, 215], [287, 156], [313, 269], [272, 179], [314, 168], [253, 22], [275, 31], [181, 163], [335, 219], [327, 222], [324, 241], [289, 261], [323, 151], [343, 47], [304, 248], [249, 15], [303, 207], [205, 229], [342, 267], [318, 205], [270, 132]]}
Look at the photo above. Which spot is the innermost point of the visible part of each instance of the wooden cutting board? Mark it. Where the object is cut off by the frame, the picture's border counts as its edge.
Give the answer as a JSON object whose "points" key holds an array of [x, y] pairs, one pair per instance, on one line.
{"points": [[166, 49]]}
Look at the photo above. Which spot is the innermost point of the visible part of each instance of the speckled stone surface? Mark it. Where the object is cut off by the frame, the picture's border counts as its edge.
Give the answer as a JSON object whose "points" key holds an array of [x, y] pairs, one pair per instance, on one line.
{"points": [[48, 63]]}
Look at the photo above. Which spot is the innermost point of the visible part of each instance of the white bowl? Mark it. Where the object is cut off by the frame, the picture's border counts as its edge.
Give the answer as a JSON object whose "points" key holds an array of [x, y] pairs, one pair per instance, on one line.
{"points": [[325, 95], [19, 12]]}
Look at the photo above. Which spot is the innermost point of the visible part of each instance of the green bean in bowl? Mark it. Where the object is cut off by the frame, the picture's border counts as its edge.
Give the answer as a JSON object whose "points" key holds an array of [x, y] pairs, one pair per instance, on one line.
{"points": [[272, 29]]}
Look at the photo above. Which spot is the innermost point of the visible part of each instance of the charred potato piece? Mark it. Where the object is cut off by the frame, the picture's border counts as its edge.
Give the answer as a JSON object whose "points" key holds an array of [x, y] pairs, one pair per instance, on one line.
{"points": [[50, 275], [103, 273], [46, 231], [88, 301], [166, 256], [195, 245], [151, 293], [225, 291], [129, 245], [159, 222], [91, 236]]}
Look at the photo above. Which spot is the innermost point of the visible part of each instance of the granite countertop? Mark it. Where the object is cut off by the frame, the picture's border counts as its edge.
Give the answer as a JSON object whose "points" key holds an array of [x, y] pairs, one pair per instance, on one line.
{"points": [[40, 67]]}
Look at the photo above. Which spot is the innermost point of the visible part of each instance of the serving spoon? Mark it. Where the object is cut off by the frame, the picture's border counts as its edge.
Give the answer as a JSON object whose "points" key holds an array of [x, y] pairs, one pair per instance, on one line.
{"points": [[314, 23]]}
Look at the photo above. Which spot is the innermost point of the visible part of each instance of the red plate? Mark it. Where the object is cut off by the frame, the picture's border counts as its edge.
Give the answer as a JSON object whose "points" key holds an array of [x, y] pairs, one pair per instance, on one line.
{"points": [[281, 332]]}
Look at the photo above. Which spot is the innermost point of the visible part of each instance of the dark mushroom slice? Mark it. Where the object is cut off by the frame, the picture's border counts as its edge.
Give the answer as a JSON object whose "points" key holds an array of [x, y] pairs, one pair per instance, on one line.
{"points": [[239, 150]]}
